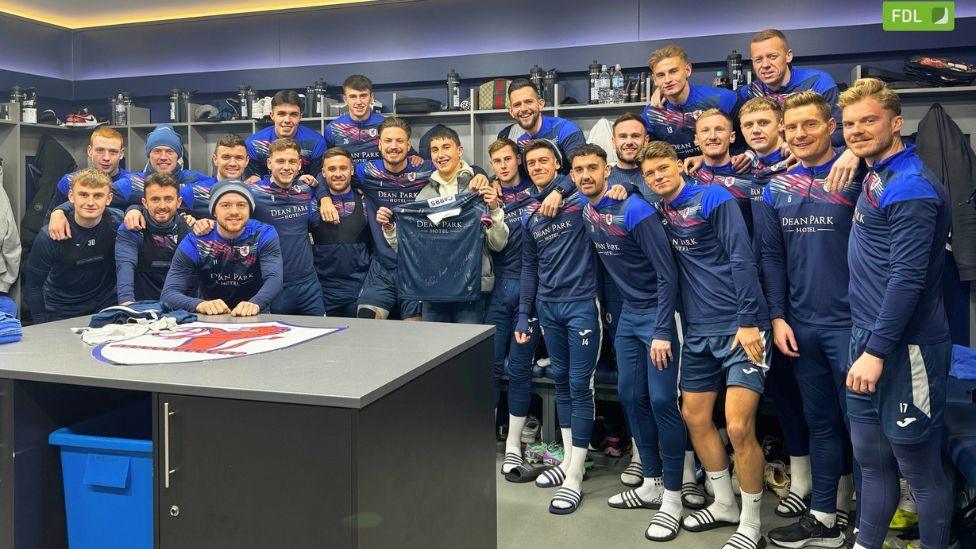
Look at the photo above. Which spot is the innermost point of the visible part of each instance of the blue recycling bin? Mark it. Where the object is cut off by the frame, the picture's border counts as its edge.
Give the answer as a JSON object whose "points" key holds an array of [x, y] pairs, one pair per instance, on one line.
{"points": [[107, 467]]}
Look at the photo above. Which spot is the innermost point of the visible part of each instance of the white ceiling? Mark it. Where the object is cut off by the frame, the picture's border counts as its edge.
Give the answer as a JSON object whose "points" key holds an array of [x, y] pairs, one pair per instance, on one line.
{"points": [[76, 14]]}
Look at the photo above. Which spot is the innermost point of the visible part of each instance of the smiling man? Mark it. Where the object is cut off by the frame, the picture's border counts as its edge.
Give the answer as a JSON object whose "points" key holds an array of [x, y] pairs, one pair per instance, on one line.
{"points": [[105, 151], [286, 113], [235, 268], [357, 131], [525, 106], [900, 344], [76, 277], [143, 256]]}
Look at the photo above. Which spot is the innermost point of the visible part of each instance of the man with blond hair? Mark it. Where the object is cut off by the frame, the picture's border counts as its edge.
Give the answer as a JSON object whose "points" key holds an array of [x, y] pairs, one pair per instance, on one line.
{"points": [[76, 277], [900, 345]]}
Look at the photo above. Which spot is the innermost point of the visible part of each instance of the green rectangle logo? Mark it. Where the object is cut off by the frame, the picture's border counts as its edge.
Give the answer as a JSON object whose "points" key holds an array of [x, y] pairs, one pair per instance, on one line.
{"points": [[919, 16]]}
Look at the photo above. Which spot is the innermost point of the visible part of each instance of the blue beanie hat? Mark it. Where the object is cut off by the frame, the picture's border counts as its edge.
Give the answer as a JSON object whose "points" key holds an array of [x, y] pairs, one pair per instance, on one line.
{"points": [[164, 136]]}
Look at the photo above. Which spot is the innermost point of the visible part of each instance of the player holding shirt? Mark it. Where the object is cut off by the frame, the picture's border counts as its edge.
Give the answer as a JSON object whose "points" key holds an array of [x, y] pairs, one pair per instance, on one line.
{"points": [[805, 274], [236, 266], [357, 131], [900, 344], [286, 113], [341, 250], [106, 148], [143, 256], [76, 277], [726, 341], [558, 283], [629, 239], [778, 79]]}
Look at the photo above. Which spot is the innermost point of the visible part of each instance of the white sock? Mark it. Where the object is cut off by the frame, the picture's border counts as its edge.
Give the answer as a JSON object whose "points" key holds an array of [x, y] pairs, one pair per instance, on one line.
{"points": [[652, 488], [574, 475], [513, 442], [567, 435], [750, 520], [859, 546], [845, 493], [801, 475], [724, 507], [634, 454], [670, 505], [688, 471], [827, 519]]}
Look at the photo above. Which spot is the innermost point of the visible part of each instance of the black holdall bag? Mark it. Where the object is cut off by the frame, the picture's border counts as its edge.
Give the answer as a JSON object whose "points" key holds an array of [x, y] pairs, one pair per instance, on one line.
{"points": [[416, 105], [940, 71]]}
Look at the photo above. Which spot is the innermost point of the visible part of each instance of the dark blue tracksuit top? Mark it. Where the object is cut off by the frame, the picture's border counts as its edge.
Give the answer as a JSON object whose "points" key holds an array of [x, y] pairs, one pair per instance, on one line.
{"points": [[675, 124], [805, 231], [557, 256], [717, 271], [631, 243], [897, 254]]}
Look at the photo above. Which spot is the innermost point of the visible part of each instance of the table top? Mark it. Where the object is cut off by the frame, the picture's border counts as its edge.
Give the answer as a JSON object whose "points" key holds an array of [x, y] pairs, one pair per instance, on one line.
{"points": [[350, 368]]}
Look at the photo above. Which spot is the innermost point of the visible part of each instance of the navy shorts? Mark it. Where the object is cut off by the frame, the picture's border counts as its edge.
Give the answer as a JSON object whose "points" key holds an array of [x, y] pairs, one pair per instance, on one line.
{"points": [[909, 399], [380, 291], [707, 364]]}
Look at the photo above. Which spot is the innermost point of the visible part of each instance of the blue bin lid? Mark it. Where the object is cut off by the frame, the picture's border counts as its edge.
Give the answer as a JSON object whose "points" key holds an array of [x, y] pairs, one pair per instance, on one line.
{"points": [[66, 437]]}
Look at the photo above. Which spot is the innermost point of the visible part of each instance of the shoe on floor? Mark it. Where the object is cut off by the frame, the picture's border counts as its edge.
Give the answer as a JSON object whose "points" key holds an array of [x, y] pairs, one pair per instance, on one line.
{"points": [[806, 532]]}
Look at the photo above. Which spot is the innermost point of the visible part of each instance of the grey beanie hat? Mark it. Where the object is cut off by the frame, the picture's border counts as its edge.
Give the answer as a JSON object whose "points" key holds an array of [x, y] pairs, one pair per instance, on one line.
{"points": [[225, 186]]}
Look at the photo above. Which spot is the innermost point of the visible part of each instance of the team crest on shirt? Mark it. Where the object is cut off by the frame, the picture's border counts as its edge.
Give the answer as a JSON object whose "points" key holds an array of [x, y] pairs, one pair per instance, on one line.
{"points": [[200, 341], [372, 132], [243, 250]]}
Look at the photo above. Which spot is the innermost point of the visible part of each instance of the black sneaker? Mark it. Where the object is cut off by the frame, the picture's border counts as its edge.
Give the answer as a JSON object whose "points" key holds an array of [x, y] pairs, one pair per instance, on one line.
{"points": [[806, 532]]}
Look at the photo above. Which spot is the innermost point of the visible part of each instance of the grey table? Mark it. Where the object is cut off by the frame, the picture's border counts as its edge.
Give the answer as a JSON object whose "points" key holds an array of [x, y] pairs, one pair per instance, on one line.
{"points": [[375, 436]]}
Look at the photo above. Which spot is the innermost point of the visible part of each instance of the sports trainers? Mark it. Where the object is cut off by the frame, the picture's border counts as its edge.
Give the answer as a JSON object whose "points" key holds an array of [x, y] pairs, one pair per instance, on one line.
{"points": [[776, 478], [535, 452], [83, 119], [554, 454], [903, 520], [806, 532], [530, 431]]}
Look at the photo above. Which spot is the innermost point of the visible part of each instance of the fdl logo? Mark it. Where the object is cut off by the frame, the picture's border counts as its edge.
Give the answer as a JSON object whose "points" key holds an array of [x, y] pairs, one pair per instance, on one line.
{"points": [[919, 16]]}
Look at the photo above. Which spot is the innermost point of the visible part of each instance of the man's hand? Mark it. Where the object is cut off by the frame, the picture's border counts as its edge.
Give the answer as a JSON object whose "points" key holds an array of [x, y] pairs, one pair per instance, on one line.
{"points": [[477, 182], [328, 210], [308, 180], [252, 179], [550, 206], [864, 374], [203, 226], [384, 216], [58, 227], [660, 353], [522, 332], [490, 196], [842, 172], [245, 308], [617, 192], [415, 160], [752, 343], [213, 307], [656, 100], [784, 339], [692, 163], [741, 162], [134, 220]]}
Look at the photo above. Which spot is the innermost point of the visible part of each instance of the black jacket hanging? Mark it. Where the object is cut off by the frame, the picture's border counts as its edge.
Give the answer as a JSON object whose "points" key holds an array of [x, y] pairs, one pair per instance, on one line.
{"points": [[52, 161], [947, 152]]}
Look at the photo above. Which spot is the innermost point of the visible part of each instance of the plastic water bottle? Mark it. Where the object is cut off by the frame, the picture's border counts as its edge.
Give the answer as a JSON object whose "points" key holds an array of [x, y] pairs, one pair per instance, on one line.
{"points": [[453, 91], [594, 82], [604, 85], [619, 92]]}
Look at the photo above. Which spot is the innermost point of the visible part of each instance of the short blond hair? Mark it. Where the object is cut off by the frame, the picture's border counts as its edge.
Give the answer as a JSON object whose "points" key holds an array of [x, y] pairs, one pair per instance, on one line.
{"points": [[655, 150], [715, 112], [768, 34], [107, 133], [806, 98], [93, 178], [667, 52], [759, 104], [864, 88]]}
